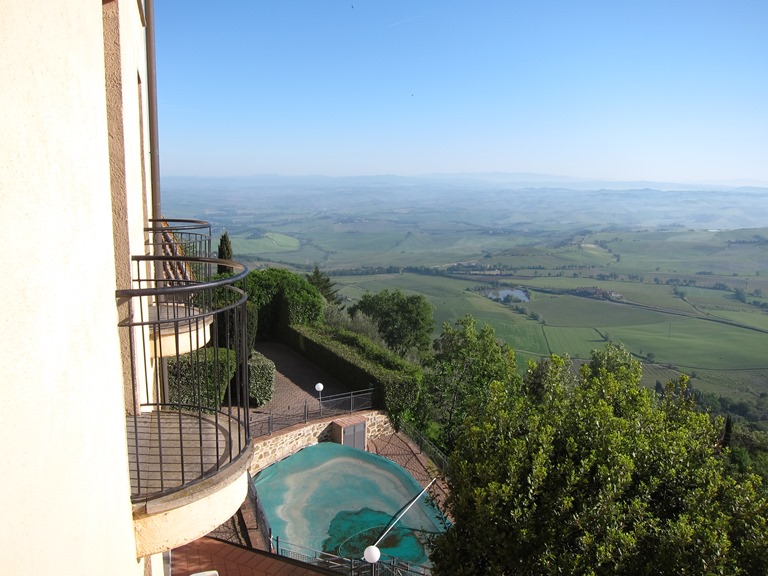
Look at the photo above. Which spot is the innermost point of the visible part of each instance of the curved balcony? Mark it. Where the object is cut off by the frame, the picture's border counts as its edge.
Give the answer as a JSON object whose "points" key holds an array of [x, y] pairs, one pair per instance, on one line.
{"points": [[187, 407], [179, 237]]}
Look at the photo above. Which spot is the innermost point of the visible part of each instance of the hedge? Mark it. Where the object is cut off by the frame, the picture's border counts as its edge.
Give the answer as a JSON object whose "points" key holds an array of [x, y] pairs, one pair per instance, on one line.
{"points": [[350, 357], [282, 298], [201, 378], [261, 378]]}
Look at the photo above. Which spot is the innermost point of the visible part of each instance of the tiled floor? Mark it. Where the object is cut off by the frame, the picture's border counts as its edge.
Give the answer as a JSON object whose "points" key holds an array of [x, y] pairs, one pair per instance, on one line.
{"points": [[231, 560], [157, 440]]}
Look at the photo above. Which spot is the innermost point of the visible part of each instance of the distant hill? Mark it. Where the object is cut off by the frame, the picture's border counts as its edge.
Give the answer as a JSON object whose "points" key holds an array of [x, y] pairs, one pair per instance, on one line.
{"points": [[492, 200]]}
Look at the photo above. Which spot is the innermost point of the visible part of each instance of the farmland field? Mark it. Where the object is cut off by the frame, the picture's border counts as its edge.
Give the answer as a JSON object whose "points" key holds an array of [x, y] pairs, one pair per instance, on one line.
{"points": [[678, 277]]}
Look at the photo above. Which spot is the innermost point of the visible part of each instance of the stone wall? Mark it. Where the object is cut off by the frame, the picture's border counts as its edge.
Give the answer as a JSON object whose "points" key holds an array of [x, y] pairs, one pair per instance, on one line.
{"points": [[270, 449]]}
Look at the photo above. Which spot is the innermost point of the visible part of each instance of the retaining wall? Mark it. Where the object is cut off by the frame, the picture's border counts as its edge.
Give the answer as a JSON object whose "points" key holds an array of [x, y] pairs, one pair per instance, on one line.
{"points": [[270, 449]]}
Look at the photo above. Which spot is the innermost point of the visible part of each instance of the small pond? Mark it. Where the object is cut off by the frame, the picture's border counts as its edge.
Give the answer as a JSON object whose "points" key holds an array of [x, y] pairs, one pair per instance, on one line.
{"points": [[503, 293]]}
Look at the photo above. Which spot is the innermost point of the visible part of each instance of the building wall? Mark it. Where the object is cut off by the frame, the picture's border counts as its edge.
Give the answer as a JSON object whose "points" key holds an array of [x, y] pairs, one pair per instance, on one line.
{"points": [[65, 486]]}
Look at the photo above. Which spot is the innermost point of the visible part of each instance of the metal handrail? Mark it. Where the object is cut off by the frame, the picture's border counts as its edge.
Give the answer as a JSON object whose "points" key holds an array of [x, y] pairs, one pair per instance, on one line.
{"points": [[268, 422], [188, 419], [177, 224], [179, 237], [386, 564], [184, 286]]}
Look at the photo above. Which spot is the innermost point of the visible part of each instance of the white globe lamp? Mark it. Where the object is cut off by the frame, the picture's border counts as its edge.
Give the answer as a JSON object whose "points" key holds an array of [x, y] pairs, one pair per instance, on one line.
{"points": [[372, 554]]}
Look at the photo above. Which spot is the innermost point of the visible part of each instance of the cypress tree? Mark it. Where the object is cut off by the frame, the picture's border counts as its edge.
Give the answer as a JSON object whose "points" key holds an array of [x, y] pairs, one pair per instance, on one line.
{"points": [[225, 252]]}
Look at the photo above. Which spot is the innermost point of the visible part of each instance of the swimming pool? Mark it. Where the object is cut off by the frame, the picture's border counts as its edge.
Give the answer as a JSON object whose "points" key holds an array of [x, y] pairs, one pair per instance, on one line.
{"points": [[339, 500]]}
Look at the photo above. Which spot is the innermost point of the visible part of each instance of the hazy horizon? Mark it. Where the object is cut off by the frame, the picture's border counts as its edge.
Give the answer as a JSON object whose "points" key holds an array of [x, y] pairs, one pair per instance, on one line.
{"points": [[528, 179]]}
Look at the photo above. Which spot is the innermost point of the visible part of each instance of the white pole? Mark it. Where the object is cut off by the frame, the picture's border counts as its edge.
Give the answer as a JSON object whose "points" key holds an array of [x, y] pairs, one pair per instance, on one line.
{"points": [[412, 502]]}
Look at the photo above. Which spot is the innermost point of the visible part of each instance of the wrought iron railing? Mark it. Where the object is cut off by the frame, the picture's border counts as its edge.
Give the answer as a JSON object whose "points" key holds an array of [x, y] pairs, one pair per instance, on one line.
{"points": [[267, 422], [185, 342], [435, 454], [179, 237], [387, 565]]}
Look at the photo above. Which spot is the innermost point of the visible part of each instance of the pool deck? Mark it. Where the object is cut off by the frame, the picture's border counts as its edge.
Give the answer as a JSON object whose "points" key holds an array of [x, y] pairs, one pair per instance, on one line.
{"points": [[400, 449], [295, 381]]}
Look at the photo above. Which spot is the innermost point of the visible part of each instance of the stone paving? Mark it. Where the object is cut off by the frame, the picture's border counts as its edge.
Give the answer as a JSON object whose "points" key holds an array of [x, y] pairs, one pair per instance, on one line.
{"points": [[295, 379], [400, 449]]}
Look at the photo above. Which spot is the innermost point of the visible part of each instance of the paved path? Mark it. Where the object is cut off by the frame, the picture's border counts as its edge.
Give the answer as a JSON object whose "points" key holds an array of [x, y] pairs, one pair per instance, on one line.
{"points": [[295, 379], [400, 449]]}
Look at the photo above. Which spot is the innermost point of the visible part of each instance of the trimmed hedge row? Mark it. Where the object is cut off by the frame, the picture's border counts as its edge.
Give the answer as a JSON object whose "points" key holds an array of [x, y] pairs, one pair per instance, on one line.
{"points": [[261, 378], [350, 357], [201, 378], [281, 298]]}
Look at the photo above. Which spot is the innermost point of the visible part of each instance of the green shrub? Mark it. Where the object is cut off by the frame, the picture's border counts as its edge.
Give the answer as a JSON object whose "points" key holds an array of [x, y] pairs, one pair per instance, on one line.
{"points": [[201, 378], [261, 378], [360, 323], [282, 298], [354, 359]]}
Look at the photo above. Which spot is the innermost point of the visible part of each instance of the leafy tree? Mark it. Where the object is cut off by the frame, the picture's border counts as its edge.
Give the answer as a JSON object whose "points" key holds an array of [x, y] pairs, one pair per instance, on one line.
{"points": [[325, 286], [404, 322], [360, 323], [465, 361], [597, 476], [281, 298], [224, 253]]}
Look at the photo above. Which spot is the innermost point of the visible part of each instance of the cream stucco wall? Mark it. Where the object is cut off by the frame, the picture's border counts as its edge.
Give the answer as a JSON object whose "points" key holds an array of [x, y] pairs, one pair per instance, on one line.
{"points": [[65, 487]]}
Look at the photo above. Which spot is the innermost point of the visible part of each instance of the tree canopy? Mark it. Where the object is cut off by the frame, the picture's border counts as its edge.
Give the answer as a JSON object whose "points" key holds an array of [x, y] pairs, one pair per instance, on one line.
{"points": [[324, 285], [282, 298], [404, 322], [594, 474], [464, 362]]}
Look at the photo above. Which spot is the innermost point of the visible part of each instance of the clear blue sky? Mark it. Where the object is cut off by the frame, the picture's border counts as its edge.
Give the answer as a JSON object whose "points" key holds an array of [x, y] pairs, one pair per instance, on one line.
{"points": [[673, 90]]}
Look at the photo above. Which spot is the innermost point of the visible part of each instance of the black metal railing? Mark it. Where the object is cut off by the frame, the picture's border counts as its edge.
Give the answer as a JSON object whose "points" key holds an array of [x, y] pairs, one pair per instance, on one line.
{"points": [[387, 565], [184, 333], [267, 422], [179, 237], [435, 454]]}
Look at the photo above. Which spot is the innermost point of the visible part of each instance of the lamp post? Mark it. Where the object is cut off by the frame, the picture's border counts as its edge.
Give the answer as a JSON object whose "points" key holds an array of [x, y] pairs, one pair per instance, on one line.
{"points": [[372, 555], [319, 387]]}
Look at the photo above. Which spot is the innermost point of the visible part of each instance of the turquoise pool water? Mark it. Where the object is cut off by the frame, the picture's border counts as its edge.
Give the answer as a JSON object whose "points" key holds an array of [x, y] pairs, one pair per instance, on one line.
{"points": [[339, 500]]}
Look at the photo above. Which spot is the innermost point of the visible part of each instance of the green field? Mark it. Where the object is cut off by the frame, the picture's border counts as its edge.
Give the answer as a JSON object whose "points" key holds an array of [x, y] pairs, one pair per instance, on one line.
{"points": [[269, 243], [576, 326], [672, 261]]}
